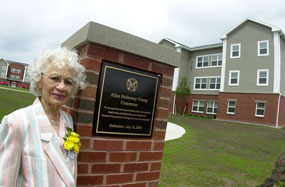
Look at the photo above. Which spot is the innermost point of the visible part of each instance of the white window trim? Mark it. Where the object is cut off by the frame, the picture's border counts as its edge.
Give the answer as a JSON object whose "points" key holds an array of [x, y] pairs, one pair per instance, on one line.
{"points": [[258, 48], [267, 78], [202, 56], [232, 50], [256, 104], [217, 54], [232, 113], [213, 107], [210, 61], [200, 83], [197, 106], [230, 77], [216, 83], [15, 70], [208, 83]]}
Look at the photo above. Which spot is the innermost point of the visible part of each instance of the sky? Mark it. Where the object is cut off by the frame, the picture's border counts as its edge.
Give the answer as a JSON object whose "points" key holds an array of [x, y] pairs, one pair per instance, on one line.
{"points": [[29, 27]]}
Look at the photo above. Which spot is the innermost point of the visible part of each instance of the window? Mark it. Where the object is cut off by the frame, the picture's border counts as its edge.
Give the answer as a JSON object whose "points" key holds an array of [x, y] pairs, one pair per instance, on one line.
{"points": [[231, 107], [14, 70], [260, 109], [198, 106], [207, 83], [262, 77], [234, 78], [235, 51], [2, 75], [263, 49], [4, 68], [212, 107], [215, 83], [216, 60], [202, 61], [200, 83]]}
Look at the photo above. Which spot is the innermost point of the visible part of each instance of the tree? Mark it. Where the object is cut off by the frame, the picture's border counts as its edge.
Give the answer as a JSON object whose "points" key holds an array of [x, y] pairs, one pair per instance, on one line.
{"points": [[183, 88], [183, 91]]}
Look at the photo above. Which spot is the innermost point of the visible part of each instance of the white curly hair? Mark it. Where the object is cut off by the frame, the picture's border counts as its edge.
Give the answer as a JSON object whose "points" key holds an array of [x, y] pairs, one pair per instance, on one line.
{"points": [[60, 57]]}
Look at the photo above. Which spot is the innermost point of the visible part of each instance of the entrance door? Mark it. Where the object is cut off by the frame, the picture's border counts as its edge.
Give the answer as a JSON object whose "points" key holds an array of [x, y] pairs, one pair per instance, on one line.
{"points": [[13, 84]]}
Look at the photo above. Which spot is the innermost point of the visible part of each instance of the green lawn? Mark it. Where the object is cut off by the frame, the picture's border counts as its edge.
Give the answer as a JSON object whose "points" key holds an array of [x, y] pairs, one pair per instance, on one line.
{"points": [[217, 153], [211, 153], [13, 100]]}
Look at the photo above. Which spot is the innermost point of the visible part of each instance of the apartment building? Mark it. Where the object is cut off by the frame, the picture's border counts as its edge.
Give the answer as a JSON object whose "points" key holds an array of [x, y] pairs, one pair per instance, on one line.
{"points": [[13, 74], [240, 79]]}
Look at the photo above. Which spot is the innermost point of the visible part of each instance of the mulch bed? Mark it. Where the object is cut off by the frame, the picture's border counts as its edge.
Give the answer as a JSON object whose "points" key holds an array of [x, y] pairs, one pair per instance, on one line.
{"points": [[278, 174]]}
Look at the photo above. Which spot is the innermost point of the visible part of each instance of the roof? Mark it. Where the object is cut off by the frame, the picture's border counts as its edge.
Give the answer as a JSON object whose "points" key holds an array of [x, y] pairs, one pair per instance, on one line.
{"points": [[177, 44], [273, 28], [210, 46], [12, 62]]}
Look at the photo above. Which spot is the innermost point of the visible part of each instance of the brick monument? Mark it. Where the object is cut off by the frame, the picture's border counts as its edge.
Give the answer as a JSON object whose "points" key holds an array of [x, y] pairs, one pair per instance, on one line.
{"points": [[114, 160]]}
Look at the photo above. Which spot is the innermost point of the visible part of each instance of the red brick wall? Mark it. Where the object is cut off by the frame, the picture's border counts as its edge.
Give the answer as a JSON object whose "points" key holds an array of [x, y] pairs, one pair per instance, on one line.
{"points": [[282, 112], [181, 103], [245, 107], [118, 161], [200, 97], [16, 66]]}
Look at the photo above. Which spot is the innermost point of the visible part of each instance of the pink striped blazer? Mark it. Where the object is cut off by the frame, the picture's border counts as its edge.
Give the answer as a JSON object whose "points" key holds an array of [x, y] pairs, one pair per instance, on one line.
{"points": [[31, 154]]}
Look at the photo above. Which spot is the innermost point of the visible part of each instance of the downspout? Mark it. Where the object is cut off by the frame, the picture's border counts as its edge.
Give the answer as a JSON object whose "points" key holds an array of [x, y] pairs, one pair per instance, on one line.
{"points": [[277, 71], [7, 70], [175, 78], [24, 76], [174, 100], [174, 86], [278, 108]]}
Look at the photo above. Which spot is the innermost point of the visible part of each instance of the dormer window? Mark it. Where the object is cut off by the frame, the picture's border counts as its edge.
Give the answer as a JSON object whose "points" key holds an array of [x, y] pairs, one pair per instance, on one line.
{"points": [[263, 48], [235, 51]]}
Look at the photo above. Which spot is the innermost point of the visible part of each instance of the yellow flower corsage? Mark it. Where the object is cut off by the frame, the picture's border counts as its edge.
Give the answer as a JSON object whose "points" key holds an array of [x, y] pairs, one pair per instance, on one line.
{"points": [[72, 144]]}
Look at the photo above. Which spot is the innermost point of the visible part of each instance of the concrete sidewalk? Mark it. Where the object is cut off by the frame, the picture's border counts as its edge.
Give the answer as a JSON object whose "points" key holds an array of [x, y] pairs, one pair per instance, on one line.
{"points": [[173, 131]]}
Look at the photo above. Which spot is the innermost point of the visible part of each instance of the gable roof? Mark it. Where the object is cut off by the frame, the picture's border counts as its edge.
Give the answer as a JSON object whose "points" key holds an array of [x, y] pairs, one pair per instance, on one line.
{"points": [[4, 61], [11, 62], [273, 28], [177, 44]]}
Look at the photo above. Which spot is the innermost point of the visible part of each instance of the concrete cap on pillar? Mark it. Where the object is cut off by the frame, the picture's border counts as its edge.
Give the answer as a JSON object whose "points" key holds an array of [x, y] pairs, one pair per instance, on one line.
{"points": [[97, 33]]}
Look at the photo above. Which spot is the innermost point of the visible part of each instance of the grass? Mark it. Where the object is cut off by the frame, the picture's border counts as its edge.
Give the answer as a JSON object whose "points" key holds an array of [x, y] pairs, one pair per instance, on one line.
{"points": [[12, 100], [13, 88], [217, 153], [211, 153]]}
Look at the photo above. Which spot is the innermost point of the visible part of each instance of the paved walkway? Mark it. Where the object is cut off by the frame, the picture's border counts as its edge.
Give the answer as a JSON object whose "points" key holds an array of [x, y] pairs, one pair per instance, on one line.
{"points": [[174, 131], [14, 90]]}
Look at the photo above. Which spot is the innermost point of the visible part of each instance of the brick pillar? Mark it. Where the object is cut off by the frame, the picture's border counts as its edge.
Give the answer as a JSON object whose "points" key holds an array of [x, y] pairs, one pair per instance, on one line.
{"points": [[118, 161]]}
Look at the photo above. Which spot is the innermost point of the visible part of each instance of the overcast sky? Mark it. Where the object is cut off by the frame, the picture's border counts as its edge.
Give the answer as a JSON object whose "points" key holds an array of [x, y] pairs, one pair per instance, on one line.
{"points": [[30, 26]]}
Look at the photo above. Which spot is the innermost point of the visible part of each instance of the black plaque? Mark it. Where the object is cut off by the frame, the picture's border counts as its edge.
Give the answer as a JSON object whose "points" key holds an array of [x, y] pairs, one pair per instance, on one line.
{"points": [[126, 101]]}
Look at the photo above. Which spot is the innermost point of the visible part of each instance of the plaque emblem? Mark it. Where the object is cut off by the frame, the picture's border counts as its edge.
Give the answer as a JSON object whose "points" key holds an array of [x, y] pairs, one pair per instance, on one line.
{"points": [[132, 84]]}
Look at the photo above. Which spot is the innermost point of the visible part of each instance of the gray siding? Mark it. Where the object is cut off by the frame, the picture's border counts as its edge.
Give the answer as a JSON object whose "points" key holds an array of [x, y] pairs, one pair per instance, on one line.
{"points": [[203, 72], [248, 35], [184, 65], [282, 82], [2, 64]]}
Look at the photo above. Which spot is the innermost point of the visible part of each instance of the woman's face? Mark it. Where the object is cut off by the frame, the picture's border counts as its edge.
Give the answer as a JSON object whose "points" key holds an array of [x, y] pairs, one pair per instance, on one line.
{"points": [[56, 84]]}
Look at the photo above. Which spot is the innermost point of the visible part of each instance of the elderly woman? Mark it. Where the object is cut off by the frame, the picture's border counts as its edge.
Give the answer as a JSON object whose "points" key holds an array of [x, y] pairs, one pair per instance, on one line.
{"points": [[32, 139]]}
